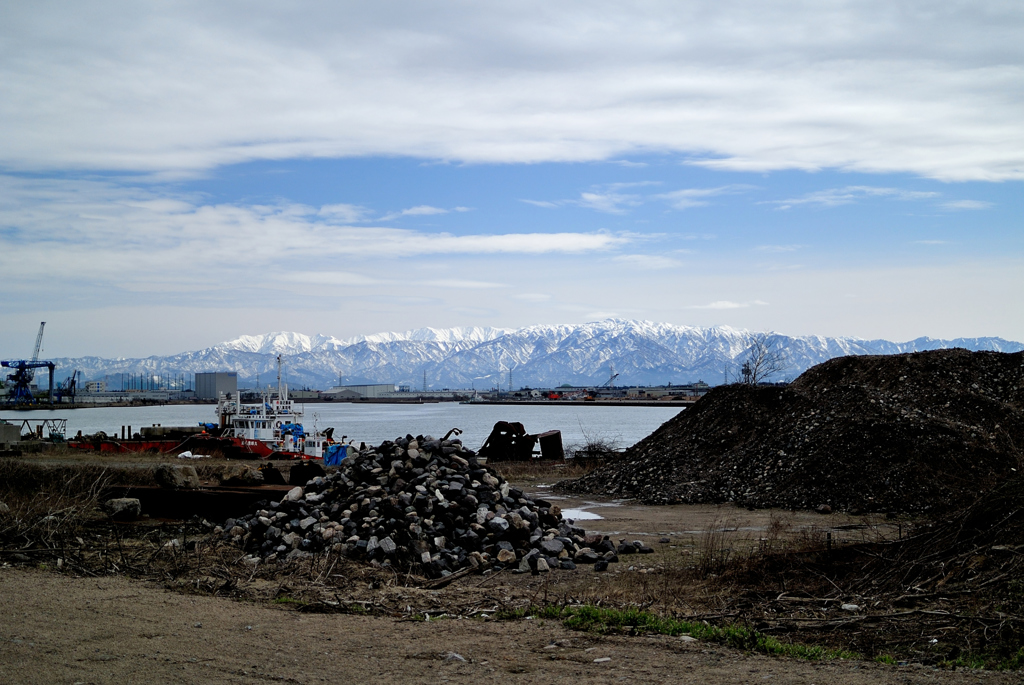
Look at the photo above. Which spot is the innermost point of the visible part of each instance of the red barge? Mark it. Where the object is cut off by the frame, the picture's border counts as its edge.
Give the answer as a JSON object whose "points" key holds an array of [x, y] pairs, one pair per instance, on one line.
{"points": [[270, 428]]}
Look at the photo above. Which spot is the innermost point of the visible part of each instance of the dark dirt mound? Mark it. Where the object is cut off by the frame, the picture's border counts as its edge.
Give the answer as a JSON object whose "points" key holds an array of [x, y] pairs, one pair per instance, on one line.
{"points": [[914, 432]]}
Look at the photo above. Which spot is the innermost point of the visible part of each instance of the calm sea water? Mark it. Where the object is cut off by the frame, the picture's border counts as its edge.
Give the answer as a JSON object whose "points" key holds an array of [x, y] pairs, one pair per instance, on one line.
{"points": [[374, 423]]}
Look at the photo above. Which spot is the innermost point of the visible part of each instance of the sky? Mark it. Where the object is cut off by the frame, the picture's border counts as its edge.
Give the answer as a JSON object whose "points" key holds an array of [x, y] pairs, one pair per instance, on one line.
{"points": [[177, 174]]}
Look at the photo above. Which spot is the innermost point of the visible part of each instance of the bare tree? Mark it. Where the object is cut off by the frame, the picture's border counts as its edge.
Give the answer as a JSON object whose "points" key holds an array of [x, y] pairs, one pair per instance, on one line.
{"points": [[765, 358]]}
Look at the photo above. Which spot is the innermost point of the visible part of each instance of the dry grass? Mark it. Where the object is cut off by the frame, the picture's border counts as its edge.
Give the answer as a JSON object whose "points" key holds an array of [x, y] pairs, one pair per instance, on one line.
{"points": [[716, 572], [540, 471], [132, 468], [781, 580], [46, 506], [49, 504]]}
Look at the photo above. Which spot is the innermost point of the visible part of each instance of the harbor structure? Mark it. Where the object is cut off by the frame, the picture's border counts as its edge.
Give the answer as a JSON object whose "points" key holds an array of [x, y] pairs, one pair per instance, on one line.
{"points": [[210, 386], [358, 392]]}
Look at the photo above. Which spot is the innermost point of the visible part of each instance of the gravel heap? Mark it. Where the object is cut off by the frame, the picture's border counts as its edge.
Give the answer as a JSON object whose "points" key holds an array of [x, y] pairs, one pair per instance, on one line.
{"points": [[423, 504], [914, 432]]}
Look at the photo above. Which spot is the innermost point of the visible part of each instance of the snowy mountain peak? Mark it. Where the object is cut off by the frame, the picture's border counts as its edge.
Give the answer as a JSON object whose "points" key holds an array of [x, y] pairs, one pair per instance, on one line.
{"points": [[445, 335], [543, 355], [291, 343], [281, 342]]}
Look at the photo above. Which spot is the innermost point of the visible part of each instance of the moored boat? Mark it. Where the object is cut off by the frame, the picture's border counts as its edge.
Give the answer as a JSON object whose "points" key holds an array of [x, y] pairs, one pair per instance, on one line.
{"points": [[271, 427]]}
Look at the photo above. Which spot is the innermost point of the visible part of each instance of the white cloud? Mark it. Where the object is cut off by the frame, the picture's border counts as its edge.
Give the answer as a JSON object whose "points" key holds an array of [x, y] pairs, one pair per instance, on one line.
{"points": [[719, 304], [686, 202], [694, 197], [532, 297], [727, 304], [341, 213], [607, 198], [423, 210], [459, 283], [966, 204], [331, 278], [420, 210], [184, 87], [834, 197], [648, 262], [139, 239], [612, 203], [511, 243]]}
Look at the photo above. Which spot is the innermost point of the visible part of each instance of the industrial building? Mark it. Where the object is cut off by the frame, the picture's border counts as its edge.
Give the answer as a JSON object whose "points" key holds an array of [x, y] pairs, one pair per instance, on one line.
{"points": [[698, 389], [357, 392], [210, 386]]}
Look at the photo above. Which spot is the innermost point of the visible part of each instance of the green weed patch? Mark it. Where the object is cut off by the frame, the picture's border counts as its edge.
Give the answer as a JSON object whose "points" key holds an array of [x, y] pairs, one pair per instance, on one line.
{"points": [[638, 622], [286, 599]]}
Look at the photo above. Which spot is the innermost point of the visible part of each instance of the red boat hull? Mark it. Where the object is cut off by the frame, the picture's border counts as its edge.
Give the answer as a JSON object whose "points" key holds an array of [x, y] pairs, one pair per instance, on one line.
{"points": [[200, 444]]}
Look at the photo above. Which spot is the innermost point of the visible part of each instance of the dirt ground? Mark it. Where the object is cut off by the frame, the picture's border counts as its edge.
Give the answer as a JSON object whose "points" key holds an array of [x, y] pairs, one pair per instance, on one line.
{"points": [[686, 523], [56, 629], [191, 626]]}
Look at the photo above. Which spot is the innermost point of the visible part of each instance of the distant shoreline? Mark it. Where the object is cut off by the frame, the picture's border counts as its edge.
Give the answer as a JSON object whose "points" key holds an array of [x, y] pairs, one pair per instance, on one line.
{"points": [[44, 406], [596, 403], [534, 403]]}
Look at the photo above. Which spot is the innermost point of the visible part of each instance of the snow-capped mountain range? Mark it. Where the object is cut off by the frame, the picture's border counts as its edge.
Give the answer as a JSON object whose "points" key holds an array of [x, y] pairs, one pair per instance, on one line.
{"points": [[641, 352]]}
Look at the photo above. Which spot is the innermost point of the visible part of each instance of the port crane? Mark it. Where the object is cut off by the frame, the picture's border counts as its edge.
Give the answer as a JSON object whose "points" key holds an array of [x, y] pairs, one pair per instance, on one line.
{"points": [[24, 373], [68, 388], [610, 383]]}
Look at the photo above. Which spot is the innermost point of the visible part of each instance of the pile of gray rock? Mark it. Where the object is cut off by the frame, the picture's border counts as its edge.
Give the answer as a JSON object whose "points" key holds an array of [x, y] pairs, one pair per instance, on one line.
{"points": [[422, 504]]}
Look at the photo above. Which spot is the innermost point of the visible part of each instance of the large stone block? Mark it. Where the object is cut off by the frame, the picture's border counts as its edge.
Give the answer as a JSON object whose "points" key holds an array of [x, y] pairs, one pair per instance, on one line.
{"points": [[176, 477], [123, 508]]}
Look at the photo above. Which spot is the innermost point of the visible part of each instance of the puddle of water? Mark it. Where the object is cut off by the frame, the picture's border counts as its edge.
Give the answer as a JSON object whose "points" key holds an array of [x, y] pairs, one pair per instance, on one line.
{"points": [[580, 515]]}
